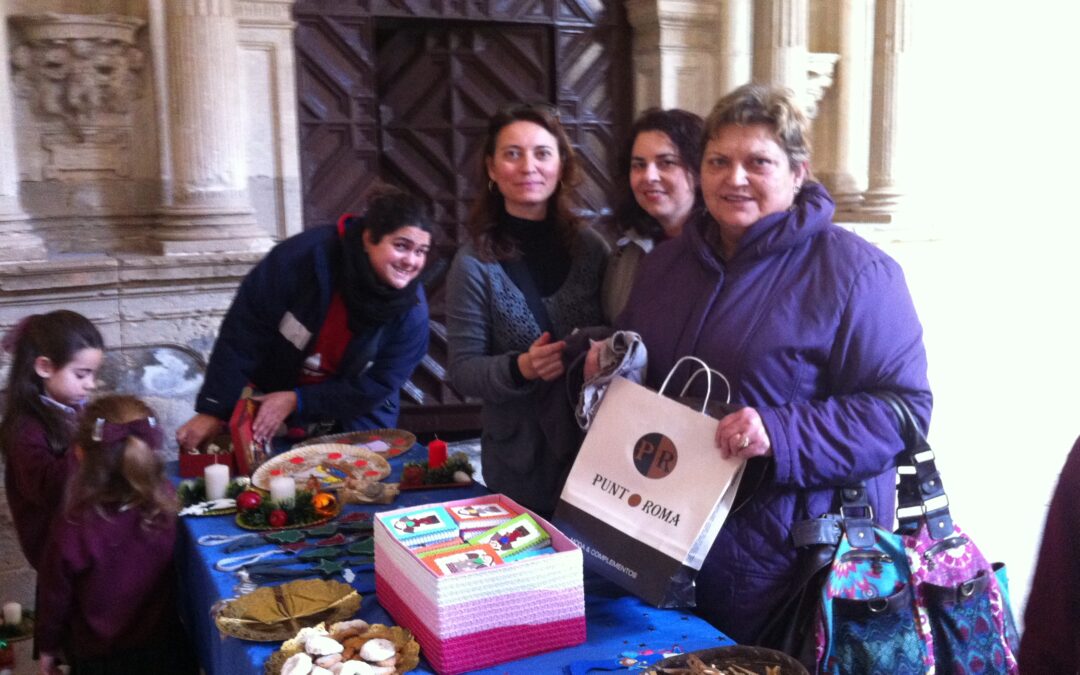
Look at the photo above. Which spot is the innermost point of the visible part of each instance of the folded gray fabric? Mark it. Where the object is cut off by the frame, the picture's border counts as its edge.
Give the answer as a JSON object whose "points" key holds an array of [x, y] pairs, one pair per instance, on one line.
{"points": [[623, 355]]}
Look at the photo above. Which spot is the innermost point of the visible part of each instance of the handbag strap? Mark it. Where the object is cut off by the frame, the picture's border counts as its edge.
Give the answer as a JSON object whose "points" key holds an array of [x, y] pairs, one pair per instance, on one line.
{"points": [[919, 492]]}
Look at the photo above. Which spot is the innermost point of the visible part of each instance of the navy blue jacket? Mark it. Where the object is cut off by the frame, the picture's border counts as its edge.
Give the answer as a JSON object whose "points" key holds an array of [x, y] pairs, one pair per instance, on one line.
{"points": [[273, 324]]}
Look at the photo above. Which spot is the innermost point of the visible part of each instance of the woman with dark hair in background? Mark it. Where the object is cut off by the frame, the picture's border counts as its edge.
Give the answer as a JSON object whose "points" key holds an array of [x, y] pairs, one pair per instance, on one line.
{"points": [[662, 189], [529, 275]]}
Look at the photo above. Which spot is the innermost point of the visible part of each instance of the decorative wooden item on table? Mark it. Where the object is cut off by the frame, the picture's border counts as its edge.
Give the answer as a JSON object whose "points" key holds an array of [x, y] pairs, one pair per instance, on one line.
{"points": [[330, 463], [386, 442], [740, 659]]}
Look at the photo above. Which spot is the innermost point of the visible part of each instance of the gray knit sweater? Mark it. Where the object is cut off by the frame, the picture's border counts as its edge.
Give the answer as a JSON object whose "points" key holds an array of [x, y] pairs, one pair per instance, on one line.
{"points": [[489, 324]]}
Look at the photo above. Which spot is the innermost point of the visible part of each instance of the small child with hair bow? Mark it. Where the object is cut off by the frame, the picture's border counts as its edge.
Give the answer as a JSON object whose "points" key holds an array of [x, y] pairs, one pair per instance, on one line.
{"points": [[107, 581]]}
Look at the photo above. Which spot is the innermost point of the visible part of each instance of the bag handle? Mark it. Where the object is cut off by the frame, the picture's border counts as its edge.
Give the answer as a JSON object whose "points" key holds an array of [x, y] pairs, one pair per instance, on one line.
{"points": [[919, 492], [704, 368]]}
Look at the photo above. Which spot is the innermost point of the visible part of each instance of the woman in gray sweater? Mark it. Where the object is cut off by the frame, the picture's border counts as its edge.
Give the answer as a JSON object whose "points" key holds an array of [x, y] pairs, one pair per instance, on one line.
{"points": [[529, 275]]}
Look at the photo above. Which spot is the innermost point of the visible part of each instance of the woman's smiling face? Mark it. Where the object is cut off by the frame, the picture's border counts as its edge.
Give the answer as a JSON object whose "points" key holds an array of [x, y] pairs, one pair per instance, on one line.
{"points": [[526, 168], [398, 256], [746, 175], [663, 186]]}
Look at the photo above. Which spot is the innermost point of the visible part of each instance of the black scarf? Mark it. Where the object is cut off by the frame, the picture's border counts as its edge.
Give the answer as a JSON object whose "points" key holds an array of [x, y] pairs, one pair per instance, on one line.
{"points": [[369, 301]]}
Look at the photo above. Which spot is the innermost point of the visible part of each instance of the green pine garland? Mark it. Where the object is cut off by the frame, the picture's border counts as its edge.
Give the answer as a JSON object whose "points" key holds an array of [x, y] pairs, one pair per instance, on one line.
{"points": [[193, 491], [458, 461], [301, 512]]}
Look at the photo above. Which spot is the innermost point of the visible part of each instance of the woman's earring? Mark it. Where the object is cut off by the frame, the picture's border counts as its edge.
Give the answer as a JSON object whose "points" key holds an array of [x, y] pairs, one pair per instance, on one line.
{"points": [[491, 185], [797, 188]]}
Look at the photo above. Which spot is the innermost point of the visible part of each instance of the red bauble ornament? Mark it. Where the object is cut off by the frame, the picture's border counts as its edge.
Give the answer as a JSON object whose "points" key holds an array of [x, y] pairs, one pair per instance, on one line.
{"points": [[412, 475], [278, 518], [248, 500]]}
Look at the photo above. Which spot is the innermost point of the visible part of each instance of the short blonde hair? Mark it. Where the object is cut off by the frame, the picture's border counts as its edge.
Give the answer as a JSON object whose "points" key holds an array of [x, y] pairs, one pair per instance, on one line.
{"points": [[773, 106]]}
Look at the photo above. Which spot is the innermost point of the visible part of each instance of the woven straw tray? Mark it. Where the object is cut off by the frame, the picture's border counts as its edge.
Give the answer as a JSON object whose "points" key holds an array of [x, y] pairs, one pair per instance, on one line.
{"points": [[408, 650], [398, 441], [330, 462]]}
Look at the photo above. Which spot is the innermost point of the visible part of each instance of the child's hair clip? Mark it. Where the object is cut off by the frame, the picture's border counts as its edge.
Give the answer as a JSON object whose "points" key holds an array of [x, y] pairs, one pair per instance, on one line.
{"points": [[99, 427], [151, 420]]}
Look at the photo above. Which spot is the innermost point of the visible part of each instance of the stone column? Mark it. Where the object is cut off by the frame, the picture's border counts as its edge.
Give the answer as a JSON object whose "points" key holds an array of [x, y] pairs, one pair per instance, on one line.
{"points": [[849, 128], [892, 33], [781, 43], [18, 242], [675, 54], [207, 205], [736, 44]]}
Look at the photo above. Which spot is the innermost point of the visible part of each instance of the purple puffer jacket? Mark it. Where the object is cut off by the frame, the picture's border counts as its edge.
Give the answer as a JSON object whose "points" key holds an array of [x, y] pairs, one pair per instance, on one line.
{"points": [[804, 320]]}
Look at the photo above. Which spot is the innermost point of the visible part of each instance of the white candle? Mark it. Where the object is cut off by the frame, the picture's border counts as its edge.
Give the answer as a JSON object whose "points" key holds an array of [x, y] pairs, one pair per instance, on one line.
{"points": [[217, 480], [12, 613], [282, 489]]}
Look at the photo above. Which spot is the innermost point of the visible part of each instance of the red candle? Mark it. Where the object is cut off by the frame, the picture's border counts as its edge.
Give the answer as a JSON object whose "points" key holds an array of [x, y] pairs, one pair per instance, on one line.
{"points": [[436, 454]]}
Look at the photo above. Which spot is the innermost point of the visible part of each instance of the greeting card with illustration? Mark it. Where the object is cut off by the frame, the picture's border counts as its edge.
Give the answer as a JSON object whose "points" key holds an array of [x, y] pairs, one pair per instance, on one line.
{"points": [[464, 559], [422, 526], [514, 536]]}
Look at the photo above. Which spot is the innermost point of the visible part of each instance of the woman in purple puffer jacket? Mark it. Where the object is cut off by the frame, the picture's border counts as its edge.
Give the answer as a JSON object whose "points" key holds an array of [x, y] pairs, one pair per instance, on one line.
{"points": [[806, 319]]}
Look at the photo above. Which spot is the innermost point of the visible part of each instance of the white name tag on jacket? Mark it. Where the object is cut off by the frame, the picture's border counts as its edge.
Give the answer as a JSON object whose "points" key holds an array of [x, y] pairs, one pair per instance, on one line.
{"points": [[295, 332]]}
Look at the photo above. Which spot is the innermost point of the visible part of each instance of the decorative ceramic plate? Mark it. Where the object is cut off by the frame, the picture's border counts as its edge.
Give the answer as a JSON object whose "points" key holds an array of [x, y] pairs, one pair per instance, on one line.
{"points": [[330, 463], [387, 442]]}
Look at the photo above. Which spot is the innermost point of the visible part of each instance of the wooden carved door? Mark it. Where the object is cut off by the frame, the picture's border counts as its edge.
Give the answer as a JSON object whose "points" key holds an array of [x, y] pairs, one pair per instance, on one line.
{"points": [[401, 91]]}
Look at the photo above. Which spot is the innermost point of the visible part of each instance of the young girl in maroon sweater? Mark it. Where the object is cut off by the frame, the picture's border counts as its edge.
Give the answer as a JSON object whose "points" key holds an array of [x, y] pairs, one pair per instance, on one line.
{"points": [[107, 582], [55, 358]]}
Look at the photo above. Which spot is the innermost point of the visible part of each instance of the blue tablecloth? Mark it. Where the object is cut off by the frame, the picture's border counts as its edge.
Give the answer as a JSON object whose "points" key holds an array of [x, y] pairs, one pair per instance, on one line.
{"points": [[621, 629]]}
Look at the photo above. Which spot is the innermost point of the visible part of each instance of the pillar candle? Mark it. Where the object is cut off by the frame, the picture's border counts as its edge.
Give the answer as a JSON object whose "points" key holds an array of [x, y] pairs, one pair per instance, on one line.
{"points": [[282, 489], [216, 477], [12, 613], [436, 453]]}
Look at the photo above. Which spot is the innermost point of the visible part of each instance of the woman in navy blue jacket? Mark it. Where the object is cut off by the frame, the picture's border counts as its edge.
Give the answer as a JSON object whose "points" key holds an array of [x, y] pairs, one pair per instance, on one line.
{"points": [[328, 326]]}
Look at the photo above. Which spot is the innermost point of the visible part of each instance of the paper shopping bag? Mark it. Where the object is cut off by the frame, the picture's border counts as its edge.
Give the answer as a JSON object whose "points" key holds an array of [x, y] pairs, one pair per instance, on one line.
{"points": [[648, 493]]}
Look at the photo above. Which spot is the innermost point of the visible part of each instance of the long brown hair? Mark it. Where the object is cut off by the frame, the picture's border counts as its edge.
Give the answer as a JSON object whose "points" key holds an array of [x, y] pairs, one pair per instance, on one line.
{"points": [[491, 242], [119, 438], [58, 336]]}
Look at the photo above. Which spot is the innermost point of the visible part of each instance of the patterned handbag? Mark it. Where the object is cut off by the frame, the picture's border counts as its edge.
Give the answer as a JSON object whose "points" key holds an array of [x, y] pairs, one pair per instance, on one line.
{"points": [[922, 599]]}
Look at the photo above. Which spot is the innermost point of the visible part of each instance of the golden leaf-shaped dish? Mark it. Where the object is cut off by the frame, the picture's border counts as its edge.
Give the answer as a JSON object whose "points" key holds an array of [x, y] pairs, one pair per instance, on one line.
{"points": [[276, 613]]}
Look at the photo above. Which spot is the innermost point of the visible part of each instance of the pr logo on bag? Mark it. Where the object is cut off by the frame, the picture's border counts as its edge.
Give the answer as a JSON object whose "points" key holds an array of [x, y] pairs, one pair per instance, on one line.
{"points": [[655, 455]]}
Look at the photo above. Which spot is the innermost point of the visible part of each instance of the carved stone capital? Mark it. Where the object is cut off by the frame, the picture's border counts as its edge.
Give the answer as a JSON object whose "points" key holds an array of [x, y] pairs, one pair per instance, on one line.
{"points": [[81, 68], [819, 77]]}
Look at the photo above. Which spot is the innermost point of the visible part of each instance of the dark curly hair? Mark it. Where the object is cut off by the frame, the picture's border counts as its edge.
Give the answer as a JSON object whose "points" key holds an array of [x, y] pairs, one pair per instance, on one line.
{"points": [[388, 209], [684, 128]]}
